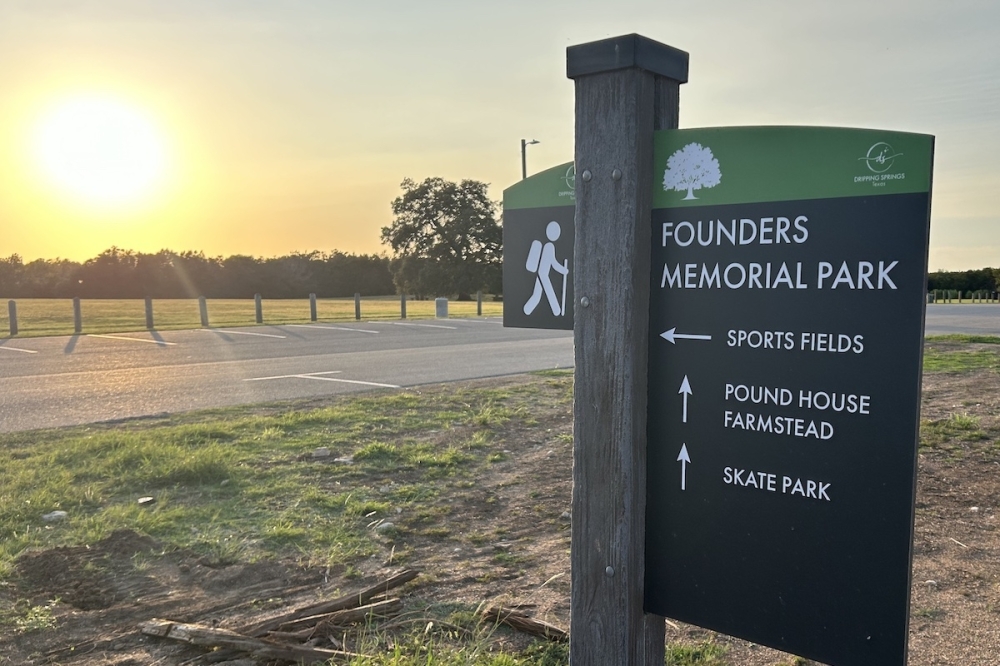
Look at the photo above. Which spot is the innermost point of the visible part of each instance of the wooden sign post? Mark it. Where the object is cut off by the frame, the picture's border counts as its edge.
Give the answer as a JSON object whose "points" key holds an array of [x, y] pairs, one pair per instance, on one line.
{"points": [[626, 87]]}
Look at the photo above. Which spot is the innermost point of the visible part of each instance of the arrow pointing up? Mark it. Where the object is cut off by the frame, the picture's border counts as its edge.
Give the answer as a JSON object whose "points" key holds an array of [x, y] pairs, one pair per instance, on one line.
{"points": [[686, 390], [683, 458], [672, 335]]}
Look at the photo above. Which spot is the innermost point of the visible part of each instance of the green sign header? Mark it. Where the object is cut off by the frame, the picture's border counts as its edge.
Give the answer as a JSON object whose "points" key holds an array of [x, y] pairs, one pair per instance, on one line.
{"points": [[728, 165], [724, 165], [547, 189]]}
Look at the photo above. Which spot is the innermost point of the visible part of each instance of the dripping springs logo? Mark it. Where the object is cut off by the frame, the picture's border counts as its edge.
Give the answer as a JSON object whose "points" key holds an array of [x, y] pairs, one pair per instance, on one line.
{"points": [[879, 160]]}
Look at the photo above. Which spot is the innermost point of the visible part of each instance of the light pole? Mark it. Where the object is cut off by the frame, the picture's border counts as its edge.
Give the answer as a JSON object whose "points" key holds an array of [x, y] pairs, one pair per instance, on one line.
{"points": [[524, 160]]}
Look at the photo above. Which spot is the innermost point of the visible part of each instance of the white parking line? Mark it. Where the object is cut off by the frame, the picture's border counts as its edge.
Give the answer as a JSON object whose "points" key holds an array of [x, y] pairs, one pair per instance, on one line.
{"points": [[351, 381], [318, 375], [23, 351], [122, 337], [400, 323], [300, 376], [260, 335], [333, 328]]}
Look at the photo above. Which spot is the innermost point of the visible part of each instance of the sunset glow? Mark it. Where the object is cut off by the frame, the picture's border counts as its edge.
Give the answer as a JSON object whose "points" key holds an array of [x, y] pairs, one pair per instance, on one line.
{"points": [[100, 150], [236, 127]]}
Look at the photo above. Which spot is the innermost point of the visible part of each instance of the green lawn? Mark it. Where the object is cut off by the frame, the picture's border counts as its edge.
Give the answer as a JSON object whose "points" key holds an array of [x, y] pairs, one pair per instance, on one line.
{"points": [[241, 485], [953, 353], [38, 316]]}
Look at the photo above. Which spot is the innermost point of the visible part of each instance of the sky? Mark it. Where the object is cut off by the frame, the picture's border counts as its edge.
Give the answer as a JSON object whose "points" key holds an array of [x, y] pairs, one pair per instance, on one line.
{"points": [[277, 127]]}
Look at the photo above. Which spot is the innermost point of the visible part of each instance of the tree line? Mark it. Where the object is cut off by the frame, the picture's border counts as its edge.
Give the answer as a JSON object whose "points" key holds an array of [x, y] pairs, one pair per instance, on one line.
{"points": [[446, 239], [118, 273], [983, 279]]}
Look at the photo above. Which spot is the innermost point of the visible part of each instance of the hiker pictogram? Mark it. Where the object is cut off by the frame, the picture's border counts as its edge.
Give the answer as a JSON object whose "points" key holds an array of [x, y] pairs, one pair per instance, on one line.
{"points": [[542, 261]]}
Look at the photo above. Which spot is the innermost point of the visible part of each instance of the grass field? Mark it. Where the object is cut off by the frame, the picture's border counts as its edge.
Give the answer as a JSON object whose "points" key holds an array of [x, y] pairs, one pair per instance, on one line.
{"points": [[241, 484], [39, 317], [240, 474]]}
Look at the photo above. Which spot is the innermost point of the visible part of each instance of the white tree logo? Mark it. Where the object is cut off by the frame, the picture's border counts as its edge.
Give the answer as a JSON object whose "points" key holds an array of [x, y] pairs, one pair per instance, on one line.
{"points": [[692, 168]]}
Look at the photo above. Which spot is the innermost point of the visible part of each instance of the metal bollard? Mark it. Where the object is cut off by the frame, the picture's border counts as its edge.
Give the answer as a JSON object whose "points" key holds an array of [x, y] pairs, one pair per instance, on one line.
{"points": [[258, 309], [12, 311], [402, 306], [312, 307], [149, 313], [203, 311], [357, 306], [77, 316]]}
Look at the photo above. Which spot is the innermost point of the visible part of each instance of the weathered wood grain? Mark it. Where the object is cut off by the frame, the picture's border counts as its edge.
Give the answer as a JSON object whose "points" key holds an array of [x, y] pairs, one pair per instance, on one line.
{"points": [[616, 113]]}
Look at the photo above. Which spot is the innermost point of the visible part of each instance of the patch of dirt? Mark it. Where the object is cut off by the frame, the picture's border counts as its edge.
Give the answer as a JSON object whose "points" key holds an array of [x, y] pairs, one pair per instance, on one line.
{"points": [[106, 588], [504, 537]]}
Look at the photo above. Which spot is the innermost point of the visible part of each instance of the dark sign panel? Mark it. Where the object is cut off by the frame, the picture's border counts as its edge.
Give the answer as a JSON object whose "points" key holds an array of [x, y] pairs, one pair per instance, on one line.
{"points": [[538, 237], [786, 329]]}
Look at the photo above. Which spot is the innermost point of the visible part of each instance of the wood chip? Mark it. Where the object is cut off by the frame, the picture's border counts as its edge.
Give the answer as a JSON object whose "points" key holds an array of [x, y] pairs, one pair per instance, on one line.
{"points": [[341, 603], [205, 636], [518, 619], [387, 608]]}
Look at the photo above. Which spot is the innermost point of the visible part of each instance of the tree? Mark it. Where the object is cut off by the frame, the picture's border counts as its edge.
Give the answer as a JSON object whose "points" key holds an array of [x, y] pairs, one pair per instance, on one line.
{"points": [[10, 274], [445, 236], [692, 168]]}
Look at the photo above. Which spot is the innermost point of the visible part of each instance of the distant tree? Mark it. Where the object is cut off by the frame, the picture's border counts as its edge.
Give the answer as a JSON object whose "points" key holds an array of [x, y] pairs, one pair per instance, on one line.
{"points": [[243, 276], [48, 278], [110, 274], [692, 168], [10, 274], [445, 237], [343, 274]]}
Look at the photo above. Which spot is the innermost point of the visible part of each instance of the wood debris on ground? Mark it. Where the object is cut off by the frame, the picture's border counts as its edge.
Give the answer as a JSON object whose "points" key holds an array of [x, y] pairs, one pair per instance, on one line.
{"points": [[309, 634], [304, 635], [517, 617]]}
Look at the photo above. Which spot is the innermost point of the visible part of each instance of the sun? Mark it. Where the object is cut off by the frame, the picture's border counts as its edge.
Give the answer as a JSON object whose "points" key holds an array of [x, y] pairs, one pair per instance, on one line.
{"points": [[101, 150]]}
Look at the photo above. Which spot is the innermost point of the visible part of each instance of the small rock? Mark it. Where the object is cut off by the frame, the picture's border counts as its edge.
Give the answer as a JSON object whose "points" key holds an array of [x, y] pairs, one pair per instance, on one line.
{"points": [[385, 489], [145, 501], [504, 546], [399, 510], [345, 460], [931, 583], [321, 452], [974, 509], [383, 528], [55, 516], [565, 516]]}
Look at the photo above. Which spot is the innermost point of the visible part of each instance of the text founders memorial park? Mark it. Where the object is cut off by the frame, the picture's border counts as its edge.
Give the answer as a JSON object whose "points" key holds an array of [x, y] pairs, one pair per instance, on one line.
{"points": [[747, 306]]}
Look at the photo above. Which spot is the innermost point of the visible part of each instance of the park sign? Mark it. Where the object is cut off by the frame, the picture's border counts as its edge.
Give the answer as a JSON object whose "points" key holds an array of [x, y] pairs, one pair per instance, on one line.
{"points": [[538, 250], [787, 292]]}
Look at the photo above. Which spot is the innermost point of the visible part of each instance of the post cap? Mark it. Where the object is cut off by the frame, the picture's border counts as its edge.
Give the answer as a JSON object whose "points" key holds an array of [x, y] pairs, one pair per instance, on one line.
{"points": [[626, 51]]}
